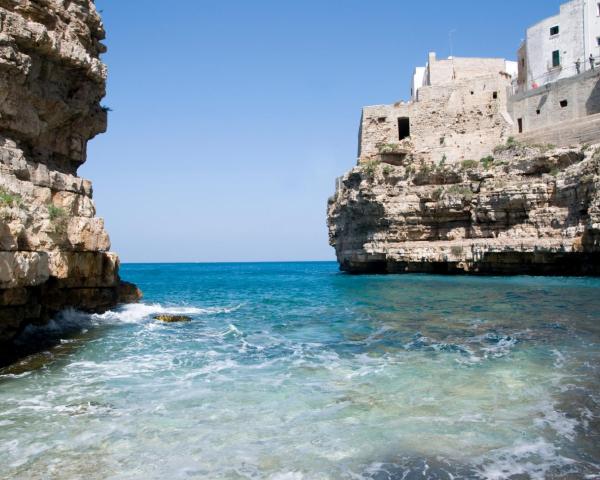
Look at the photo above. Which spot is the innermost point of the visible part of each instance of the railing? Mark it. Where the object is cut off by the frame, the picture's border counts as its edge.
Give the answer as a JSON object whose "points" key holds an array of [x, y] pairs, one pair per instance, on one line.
{"points": [[556, 73]]}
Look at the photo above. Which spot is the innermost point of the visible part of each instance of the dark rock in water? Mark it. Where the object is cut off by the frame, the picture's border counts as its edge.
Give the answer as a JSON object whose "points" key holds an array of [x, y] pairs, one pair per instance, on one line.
{"points": [[129, 293], [172, 318]]}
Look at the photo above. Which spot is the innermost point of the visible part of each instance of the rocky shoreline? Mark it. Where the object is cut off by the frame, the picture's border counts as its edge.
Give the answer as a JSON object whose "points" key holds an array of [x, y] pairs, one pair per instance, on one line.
{"points": [[54, 251], [523, 210]]}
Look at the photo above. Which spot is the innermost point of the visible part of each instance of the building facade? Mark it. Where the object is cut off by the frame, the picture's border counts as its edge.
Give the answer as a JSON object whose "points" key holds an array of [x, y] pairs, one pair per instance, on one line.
{"points": [[560, 46], [458, 112]]}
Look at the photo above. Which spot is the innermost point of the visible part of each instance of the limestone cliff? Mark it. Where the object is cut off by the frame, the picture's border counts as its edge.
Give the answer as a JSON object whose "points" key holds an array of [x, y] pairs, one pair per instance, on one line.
{"points": [[526, 209], [54, 252]]}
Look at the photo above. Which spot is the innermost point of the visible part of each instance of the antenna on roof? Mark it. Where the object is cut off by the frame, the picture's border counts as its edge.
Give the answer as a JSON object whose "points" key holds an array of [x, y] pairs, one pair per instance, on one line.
{"points": [[452, 52]]}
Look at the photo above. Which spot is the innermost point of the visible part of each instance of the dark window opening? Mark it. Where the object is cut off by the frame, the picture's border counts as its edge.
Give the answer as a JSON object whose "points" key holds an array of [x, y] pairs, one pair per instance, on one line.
{"points": [[522, 62], [403, 128], [520, 123], [563, 103], [382, 119], [472, 92], [538, 111], [598, 41], [495, 95], [556, 58], [554, 30]]}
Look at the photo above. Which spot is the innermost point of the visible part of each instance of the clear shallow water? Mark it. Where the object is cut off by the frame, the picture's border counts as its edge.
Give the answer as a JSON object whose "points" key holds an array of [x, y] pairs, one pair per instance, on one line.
{"points": [[295, 371]]}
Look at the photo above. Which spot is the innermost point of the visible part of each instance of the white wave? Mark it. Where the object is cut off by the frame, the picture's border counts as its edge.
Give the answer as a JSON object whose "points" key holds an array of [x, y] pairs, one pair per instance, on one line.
{"points": [[534, 459], [138, 312]]}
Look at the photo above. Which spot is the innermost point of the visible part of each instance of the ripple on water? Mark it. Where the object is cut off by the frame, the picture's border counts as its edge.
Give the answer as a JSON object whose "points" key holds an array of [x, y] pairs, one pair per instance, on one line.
{"points": [[292, 372]]}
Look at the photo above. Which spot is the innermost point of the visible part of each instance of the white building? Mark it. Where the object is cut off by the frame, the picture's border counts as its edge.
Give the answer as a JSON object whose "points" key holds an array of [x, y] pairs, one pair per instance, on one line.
{"points": [[553, 47], [446, 71]]}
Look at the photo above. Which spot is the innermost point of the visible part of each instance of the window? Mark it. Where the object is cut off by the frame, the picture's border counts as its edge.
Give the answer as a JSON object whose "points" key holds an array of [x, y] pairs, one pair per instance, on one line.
{"points": [[598, 41], [403, 128], [598, 11], [563, 103], [520, 124], [381, 119], [538, 111], [556, 58], [554, 30], [495, 95]]}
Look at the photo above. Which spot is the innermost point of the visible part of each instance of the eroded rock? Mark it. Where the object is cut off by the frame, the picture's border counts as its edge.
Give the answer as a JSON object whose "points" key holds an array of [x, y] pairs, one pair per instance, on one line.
{"points": [[54, 252], [529, 210]]}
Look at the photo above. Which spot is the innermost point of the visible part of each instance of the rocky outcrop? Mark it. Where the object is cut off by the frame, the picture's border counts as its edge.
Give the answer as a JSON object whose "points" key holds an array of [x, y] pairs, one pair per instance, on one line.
{"points": [[530, 210], [54, 251]]}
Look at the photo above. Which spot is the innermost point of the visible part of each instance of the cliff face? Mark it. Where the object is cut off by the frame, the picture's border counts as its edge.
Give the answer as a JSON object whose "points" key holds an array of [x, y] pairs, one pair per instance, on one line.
{"points": [[533, 210], [54, 252]]}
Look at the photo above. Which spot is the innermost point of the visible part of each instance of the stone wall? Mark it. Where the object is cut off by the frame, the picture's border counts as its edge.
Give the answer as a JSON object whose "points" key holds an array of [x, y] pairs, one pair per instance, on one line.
{"points": [[565, 100], [54, 251], [453, 122]]}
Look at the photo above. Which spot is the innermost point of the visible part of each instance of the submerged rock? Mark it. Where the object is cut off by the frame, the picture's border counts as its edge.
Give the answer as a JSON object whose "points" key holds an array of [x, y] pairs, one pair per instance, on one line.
{"points": [[173, 318]]}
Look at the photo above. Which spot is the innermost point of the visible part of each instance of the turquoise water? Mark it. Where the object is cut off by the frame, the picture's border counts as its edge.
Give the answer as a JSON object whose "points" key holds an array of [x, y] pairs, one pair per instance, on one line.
{"points": [[295, 371]]}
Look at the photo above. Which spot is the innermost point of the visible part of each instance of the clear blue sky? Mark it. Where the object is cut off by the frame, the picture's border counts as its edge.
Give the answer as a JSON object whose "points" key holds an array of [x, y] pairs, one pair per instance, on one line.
{"points": [[232, 119]]}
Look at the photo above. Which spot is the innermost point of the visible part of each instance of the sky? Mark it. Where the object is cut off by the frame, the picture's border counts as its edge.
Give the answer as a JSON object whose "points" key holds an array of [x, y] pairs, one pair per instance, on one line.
{"points": [[231, 119]]}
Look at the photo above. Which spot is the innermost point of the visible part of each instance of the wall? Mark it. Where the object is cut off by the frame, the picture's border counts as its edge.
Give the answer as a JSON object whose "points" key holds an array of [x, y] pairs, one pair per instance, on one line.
{"points": [[451, 122], [446, 71], [582, 94]]}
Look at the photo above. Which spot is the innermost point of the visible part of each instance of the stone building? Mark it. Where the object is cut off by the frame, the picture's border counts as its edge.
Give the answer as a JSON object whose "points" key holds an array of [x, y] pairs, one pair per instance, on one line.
{"points": [[553, 46], [458, 112]]}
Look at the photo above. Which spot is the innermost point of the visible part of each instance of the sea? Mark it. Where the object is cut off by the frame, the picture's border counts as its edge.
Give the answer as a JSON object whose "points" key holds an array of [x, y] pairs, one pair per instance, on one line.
{"points": [[294, 371]]}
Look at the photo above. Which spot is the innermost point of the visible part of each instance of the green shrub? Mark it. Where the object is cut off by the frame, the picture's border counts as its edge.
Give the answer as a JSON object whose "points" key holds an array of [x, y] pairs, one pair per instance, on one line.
{"points": [[388, 147], [487, 161], [510, 143], [469, 164], [56, 213], [425, 169], [370, 168], [387, 169], [461, 190], [9, 199], [554, 172], [58, 216]]}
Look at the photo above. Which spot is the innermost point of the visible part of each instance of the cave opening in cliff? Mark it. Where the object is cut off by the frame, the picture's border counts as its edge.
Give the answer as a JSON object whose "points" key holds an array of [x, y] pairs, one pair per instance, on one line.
{"points": [[403, 128]]}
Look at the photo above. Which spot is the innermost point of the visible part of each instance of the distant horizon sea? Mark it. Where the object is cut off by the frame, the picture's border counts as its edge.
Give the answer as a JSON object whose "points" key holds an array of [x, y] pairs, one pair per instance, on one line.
{"points": [[297, 371]]}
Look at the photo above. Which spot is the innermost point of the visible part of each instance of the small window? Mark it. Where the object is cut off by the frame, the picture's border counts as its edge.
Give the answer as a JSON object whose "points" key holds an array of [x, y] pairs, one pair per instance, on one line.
{"points": [[538, 111], [495, 95], [554, 30], [522, 62], [556, 58], [563, 103], [520, 124], [381, 119], [598, 41], [472, 92]]}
